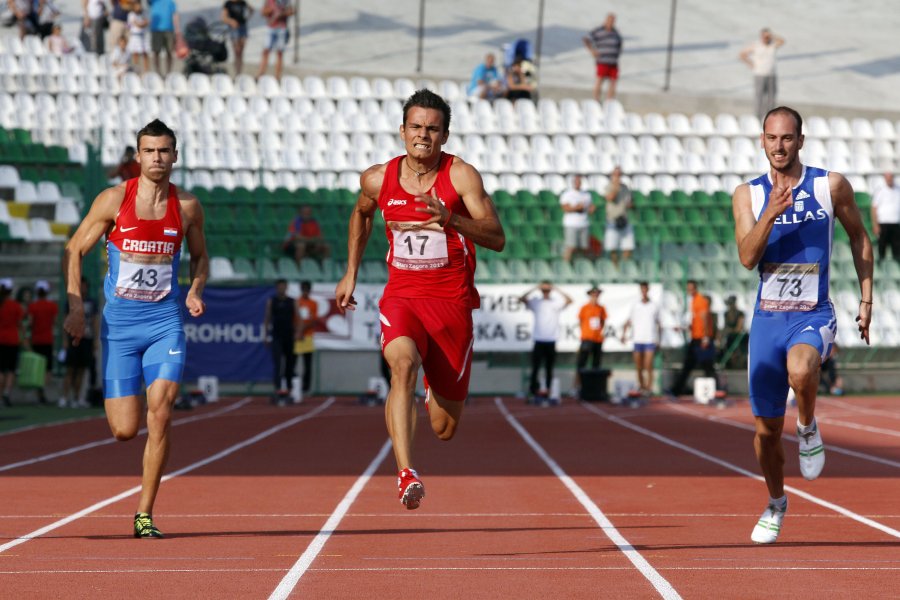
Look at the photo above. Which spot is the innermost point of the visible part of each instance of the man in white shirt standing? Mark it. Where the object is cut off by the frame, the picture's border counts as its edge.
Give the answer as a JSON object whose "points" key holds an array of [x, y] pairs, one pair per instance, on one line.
{"points": [[546, 309], [577, 205], [645, 323], [886, 217], [760, 57]]}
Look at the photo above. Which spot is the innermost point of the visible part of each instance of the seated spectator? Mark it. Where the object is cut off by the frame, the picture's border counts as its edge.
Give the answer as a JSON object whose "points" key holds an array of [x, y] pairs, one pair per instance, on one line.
{"points": [[304, 237], [46, 18], [57, 43], [486, 81], [26, 15], [120, 58], [128, 167], [518, 85]]}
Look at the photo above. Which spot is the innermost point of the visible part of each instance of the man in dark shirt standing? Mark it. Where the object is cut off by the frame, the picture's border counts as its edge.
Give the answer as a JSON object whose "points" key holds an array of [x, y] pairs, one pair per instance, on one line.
{"points": [[605, 44], [280, 326]]}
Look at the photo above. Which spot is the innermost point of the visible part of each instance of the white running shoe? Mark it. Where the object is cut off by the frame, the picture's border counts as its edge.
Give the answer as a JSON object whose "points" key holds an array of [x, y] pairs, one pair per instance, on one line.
{"points": [[769, 525], [812, 453]]}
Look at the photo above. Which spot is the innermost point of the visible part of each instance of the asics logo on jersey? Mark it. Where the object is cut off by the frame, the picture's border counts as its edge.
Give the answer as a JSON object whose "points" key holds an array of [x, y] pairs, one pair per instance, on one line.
{"points": [[124, 229], [802, 195], [174, 352], [396, 202]]}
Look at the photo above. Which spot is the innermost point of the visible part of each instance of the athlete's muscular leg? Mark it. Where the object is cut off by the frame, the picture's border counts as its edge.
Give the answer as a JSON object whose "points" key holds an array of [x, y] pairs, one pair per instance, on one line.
{"points": [[124, 416], [444, 415], [803, 364], [400, 408], [648, 369], [770, 453], [161, 396]]}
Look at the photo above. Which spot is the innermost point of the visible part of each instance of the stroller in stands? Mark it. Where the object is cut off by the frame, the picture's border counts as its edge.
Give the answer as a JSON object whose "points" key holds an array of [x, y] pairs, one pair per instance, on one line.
{"points": [[206, 47]]}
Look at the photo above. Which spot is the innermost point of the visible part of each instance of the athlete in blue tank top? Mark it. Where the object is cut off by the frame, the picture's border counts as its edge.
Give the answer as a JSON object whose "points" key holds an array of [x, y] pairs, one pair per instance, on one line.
{"points": [[784, 228], [145, 221]]}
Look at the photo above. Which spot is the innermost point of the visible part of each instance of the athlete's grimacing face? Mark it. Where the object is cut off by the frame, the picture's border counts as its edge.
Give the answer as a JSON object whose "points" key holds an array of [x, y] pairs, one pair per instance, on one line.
{"points": [[423, 133], [780, 141], [156, 156]]}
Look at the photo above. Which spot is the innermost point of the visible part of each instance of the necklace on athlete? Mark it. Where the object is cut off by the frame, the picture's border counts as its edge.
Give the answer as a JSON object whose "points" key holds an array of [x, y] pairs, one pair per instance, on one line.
{"points": [[426, 171]]}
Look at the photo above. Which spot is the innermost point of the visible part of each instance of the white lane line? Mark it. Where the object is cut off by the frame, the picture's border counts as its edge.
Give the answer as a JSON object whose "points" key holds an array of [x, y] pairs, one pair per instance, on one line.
{"points": [[289, 582], [857, 426], [778, 567], [788, 436], [732, 467], [112, 440], [435, 515], [662, 586], [191, 467], [859, 409], [49, 424]]}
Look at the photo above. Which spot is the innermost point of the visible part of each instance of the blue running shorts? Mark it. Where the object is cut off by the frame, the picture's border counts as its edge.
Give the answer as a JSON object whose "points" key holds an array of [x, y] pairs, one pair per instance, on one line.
{"points": [[772, 334], [144, 349]]}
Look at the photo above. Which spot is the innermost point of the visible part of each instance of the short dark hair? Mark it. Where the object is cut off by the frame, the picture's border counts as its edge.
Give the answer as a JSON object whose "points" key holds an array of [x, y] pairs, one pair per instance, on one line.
{"points": [[305, 285], [692, 281], [425, 98], [281, 280], [644, 283], [157, 128], [787, 110]]}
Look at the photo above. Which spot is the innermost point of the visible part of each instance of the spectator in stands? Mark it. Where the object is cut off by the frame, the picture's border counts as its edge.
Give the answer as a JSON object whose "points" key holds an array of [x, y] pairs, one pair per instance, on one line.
{"points": [[56, 42], [618, 239], [760, 57], [236, 13], [95, 24], [486, 82], [700, 349], [829, 380], [118, 20], [733, 337], [128, 167], [280, 326], [592, 318], [46, 18], [304, 237], [644, 321], [120, 58], [308, 309], [886, 217], [518, 86], [26, 15], [42, 315], [546, 311], [165, 25], [276, 13], [80, 357], [12, 332], [138, 39], [605, 44], [577, 206]]}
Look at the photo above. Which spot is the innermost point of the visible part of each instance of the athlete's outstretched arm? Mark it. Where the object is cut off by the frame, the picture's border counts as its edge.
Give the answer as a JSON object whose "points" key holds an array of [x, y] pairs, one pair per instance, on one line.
{"points": [[847, 212], [96, 223], [484, 228], [358, 232], [196, 241], [752, 235]]}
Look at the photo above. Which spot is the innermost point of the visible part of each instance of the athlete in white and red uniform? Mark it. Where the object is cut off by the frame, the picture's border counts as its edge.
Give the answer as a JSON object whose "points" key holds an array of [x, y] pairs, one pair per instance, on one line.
{"points": [[145, 220], [436, 210]]}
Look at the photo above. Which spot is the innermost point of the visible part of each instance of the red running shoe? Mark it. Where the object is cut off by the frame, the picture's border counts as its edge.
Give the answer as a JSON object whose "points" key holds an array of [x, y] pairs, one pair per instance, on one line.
{"points": [[411, 489]]}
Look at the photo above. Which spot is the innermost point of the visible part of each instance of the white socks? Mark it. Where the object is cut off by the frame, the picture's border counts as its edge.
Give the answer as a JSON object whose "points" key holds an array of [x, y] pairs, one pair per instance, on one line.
{"points": [[801, 429], [780, 503]]}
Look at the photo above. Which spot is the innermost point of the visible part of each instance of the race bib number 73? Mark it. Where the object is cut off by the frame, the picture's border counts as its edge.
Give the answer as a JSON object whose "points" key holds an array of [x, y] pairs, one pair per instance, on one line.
{"points": [[789, 287]]}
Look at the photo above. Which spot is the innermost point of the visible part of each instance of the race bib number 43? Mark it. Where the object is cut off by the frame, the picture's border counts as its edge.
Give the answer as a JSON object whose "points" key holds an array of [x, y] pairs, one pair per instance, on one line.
{"points": [[422, 249], [143, 277], [789, 287]]}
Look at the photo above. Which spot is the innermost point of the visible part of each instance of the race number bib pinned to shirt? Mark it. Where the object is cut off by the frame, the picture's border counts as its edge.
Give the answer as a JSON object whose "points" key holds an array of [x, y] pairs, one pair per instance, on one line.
{"points": [[594, 323], [789, 287], [144, 277], [420, 249]]}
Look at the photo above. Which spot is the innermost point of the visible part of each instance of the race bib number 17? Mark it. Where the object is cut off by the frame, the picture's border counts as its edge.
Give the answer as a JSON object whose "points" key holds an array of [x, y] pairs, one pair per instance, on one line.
{"points": [[789, 287], [422, 249]]}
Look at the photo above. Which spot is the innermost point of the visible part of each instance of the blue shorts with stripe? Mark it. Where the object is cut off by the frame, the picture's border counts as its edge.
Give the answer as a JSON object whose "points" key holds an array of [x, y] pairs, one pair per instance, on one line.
{"points": [[142, 342], [772, 335]]}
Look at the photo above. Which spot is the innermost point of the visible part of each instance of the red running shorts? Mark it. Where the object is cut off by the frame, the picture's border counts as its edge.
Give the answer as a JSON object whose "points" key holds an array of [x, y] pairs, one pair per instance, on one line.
{"points": [[442, 332], [607, 71]]}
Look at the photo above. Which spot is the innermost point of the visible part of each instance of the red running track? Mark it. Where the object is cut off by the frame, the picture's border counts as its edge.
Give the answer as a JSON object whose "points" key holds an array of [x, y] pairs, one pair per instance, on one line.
{"points": [[579, 501]]}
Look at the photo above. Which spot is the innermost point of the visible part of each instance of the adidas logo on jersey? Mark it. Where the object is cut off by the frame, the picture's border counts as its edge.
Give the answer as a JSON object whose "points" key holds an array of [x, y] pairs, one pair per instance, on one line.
{"points": [[396, 202], [802, 195]]}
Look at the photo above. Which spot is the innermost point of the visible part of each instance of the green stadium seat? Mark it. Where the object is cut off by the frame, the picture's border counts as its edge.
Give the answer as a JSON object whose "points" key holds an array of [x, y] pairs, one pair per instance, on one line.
{"points": [[564, 272], [266, 269], [701, 198], [526, 198], [243, 266], [657, 198]]}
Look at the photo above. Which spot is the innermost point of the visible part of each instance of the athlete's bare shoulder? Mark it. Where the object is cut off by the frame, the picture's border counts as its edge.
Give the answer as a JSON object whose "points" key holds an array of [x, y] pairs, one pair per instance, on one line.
{"points": [[110, 199], [841, 190], [372, 179]]}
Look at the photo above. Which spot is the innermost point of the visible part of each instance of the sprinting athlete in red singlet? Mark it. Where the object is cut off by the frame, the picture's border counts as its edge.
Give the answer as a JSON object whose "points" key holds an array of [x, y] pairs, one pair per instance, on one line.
{"points": [[436, 210], [145, 221]]}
